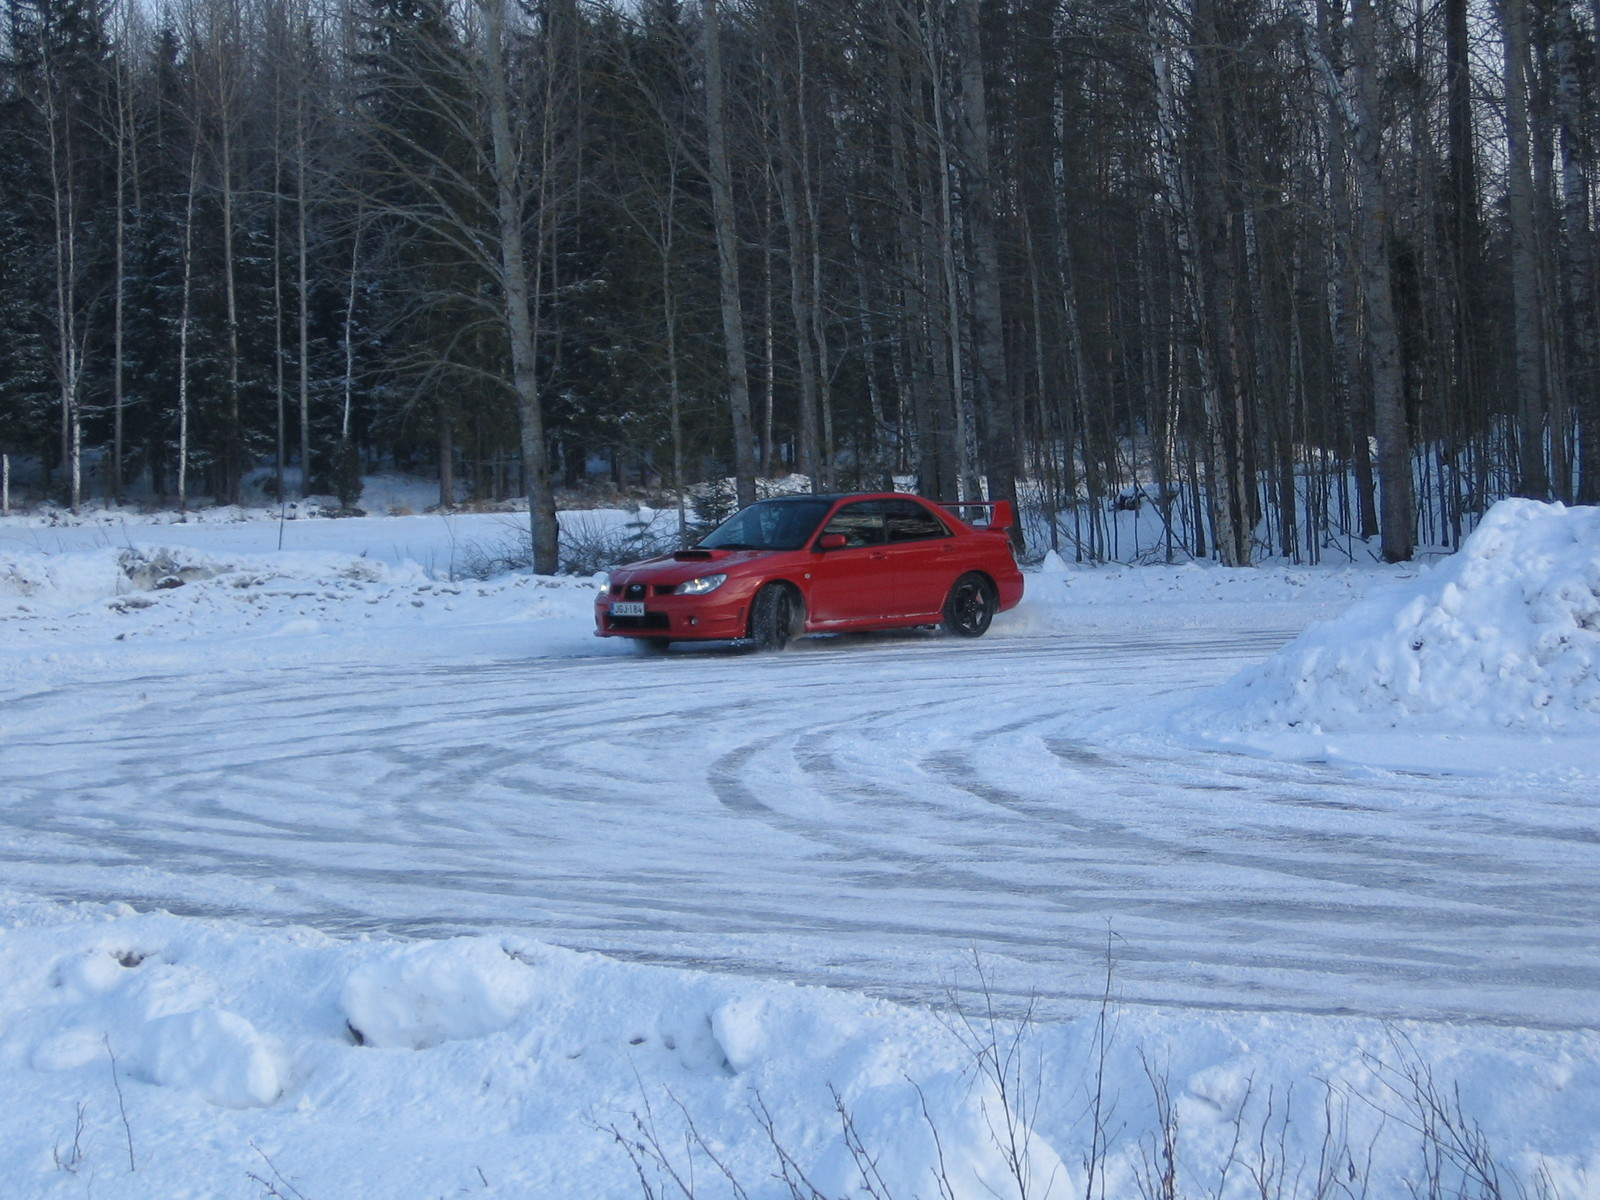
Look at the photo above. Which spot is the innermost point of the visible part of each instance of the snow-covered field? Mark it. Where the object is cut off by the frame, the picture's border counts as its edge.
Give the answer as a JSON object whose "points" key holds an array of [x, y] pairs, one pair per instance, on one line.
{"points": [[332, 872]]}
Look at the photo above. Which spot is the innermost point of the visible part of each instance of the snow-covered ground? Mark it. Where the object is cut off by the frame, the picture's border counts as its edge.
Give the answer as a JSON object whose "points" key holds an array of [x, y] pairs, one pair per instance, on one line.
{"points": [[331, 871]]}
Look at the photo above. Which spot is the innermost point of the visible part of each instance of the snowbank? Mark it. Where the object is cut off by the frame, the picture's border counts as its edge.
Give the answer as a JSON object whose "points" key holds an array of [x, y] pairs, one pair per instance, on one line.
{"points": [[1505, 634], [32, 581], [146, 1055], [121, 610]]}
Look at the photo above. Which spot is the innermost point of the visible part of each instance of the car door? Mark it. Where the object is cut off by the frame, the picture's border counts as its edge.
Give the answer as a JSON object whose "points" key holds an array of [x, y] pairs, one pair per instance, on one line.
{"points": [[923, 556], [854, 582]]}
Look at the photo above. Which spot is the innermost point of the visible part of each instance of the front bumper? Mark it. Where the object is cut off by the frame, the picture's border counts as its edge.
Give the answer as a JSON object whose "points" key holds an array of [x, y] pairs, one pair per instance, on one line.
{"points": [[677, 618]]}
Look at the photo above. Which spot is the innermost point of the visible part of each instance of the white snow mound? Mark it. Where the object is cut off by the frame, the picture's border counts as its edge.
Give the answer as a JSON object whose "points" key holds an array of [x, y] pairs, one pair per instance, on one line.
{"points": [[417, 996], [215, 1053], [1504, 633]]}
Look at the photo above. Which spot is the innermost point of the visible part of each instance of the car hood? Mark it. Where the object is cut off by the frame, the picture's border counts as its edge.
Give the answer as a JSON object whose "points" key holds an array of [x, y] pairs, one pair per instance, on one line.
{"points": [[684, 565]]}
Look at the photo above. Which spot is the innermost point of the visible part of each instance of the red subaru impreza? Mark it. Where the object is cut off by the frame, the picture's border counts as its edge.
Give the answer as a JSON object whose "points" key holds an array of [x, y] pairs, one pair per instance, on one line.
{"points": [[820, 564]]}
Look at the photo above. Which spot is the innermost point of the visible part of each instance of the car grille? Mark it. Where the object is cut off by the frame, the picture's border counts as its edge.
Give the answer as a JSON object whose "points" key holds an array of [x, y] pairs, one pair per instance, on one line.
{"points": [[648, 621]]}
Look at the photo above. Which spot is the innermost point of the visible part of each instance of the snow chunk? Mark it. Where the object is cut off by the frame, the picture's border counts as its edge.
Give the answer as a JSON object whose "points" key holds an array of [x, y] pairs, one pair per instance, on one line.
{"points": [[60, 581], [89, 974], [161, 1017], [68, 1049], [740, 1028], [420, 996], [1504, 633], [216, 1053]]}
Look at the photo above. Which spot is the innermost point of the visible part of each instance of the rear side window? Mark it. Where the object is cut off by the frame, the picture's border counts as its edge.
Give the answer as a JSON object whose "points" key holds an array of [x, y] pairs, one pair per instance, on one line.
{"points": [[908, 521], [861, 523]]}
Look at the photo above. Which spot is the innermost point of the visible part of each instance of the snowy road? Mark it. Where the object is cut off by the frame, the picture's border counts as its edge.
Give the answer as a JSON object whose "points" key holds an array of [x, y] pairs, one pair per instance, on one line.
{"points": [[842, 812]]}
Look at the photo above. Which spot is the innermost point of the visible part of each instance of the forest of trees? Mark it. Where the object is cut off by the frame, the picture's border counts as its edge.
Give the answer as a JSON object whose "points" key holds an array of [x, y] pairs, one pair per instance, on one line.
{"points": [[1283, 271]]}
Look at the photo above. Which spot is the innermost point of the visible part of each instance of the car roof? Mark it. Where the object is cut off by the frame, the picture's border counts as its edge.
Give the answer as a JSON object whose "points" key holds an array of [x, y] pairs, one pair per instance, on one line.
{"points": [[832, 497]]}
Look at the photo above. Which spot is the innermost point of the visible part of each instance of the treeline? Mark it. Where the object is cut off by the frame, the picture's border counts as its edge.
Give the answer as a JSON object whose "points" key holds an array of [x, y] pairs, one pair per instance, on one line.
{"points": [[1281, 270]]}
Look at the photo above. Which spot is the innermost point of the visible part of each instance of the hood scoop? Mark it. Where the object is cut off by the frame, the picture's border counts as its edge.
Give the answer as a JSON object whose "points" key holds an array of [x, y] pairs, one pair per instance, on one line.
{"points": [[693, 556]]}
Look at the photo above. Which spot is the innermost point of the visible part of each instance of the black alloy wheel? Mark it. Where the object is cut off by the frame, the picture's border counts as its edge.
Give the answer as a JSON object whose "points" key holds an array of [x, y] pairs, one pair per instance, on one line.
{"points": [[970, 606]]}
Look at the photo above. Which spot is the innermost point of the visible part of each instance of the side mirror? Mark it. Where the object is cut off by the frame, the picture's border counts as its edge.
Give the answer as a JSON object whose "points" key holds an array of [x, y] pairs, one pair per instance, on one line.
{"points": [[832, 541]]}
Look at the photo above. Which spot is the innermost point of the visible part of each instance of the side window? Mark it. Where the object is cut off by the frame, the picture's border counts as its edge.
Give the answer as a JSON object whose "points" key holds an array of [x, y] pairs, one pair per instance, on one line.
{"points": [[908, 521], [861, 523]]}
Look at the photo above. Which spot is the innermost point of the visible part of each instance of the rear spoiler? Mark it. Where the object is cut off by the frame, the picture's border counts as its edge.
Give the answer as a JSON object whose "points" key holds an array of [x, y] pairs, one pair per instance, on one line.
{"points": [[991, 514]]}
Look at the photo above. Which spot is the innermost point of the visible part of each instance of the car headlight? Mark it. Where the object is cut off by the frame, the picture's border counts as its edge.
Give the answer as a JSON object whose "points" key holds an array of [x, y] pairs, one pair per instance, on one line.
{"points": [[699, 587]]}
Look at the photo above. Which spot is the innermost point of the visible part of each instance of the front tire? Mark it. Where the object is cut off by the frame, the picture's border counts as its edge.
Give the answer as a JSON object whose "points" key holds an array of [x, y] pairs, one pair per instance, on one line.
{"points": [[776, 617], [970, 606]]}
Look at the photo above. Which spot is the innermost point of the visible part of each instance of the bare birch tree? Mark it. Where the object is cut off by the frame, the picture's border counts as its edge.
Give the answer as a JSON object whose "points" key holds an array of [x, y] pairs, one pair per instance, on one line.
{"points": [[725, 220]]}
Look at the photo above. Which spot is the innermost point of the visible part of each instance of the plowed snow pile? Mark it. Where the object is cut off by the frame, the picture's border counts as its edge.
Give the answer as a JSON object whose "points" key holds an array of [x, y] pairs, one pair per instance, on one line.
{"points": [[1505, 633]]}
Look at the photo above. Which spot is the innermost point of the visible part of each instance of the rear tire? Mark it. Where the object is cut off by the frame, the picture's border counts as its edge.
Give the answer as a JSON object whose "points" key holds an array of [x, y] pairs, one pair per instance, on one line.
{"points": [[970, 606], [776, 617]]}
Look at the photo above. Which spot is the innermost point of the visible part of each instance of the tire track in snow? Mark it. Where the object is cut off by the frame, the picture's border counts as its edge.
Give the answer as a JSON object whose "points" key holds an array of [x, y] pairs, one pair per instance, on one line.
{"points": [[857, 811]]}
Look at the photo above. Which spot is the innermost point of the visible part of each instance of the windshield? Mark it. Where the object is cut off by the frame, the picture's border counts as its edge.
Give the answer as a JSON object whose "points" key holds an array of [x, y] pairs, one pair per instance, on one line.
{"points": [[769, 525]]}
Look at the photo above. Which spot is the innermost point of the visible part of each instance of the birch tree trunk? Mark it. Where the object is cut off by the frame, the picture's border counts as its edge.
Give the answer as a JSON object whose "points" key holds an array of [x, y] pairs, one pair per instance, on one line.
{"points": [[669, 322], [1553, 325], [302, 269], [279, 374], [1578, 250], [224, 49], [809, 460], [1343, 287], [1359, 107], [509, 197], [881, 469], [916, 351], [725, 222], [955, 359], [1217, 288], [349, 379], [769, 339], [1533, 479], [1178, 198], [124, 133], [1463, 231], [992, 402], [1396, 501], [64, 205], [187, 288]]}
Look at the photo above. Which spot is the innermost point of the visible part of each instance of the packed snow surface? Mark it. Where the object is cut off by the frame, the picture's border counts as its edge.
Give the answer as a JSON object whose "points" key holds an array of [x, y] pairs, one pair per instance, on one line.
{"points": [[335, 871]]}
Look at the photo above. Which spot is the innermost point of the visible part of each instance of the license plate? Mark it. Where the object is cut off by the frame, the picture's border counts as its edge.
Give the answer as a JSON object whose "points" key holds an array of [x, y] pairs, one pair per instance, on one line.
{"points": [[627, 608]]}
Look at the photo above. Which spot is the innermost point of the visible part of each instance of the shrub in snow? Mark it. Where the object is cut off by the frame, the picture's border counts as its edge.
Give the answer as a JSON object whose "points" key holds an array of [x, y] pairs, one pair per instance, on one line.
{"points": [[1505, 632], [593, 542], [417, 996], [949, 1135], [156, 567]]}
